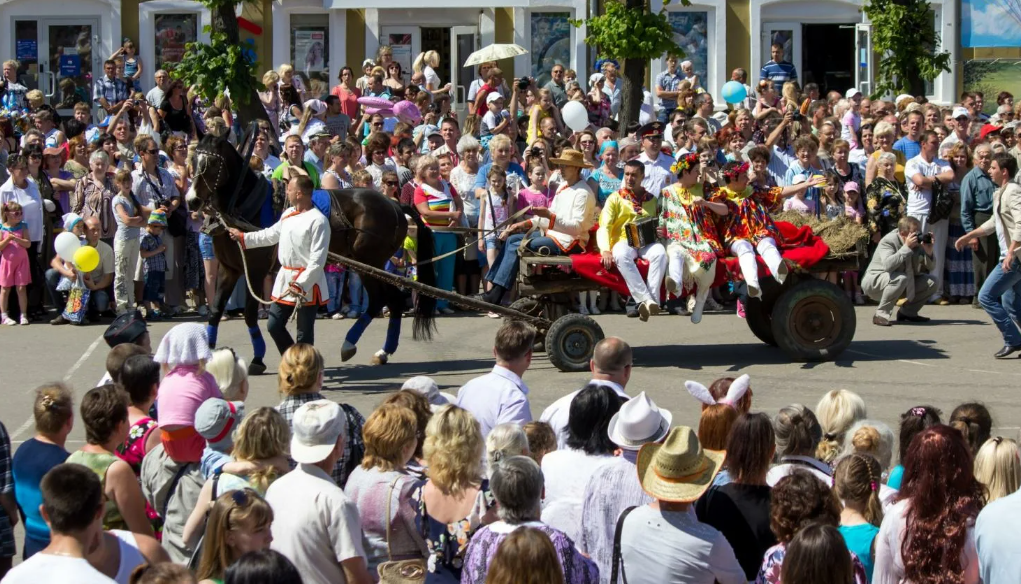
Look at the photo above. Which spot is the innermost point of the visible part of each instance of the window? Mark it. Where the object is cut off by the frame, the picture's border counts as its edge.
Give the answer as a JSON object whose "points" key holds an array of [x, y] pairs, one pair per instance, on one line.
{"points": [[691, 34], [173, 32], [551, 44], [310, 50]]}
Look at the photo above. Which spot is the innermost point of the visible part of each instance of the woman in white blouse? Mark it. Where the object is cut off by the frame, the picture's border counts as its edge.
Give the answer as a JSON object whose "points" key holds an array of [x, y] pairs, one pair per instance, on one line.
{"points": [[426, 63], [22, 189]]}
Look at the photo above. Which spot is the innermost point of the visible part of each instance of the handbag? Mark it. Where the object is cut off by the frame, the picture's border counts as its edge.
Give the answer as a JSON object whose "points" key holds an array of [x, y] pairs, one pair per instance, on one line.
{"points": [[618, 561], [942, 202], [77, 302], [401, 571]]}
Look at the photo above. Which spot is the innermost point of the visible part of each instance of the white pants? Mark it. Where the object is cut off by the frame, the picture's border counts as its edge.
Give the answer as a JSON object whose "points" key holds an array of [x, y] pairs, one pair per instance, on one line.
{"points": [[126, 259], [624, 256], [680, 268], [940, 231], [742, 248]]}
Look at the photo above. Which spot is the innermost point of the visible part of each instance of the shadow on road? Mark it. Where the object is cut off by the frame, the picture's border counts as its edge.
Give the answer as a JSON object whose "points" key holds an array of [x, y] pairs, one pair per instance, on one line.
{"points": [[381, 379]]}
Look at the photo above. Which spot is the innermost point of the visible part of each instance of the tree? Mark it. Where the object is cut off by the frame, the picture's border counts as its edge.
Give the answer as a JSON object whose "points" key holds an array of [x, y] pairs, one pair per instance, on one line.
{"points": [[630, 33], [223, 64], [904, 37]]}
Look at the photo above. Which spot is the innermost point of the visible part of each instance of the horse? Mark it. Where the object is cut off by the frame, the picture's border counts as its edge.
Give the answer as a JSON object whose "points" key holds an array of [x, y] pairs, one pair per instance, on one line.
{"points": [[365, 226]]}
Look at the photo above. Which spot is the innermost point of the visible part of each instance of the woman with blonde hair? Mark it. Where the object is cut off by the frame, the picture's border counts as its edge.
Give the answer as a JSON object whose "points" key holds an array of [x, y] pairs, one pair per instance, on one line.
{"points": [[288, 78], [231, 374], [384, 491], [299, 380], [426, 63], [837, 411], [530, 547], [504, 441], [883, 137], [455, 500], [239, 522], [998, 467], [270, 97]]}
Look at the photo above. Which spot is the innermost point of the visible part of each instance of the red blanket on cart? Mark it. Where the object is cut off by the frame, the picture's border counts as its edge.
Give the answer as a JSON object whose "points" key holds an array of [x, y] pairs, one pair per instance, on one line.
{"points": [[800, 246]]}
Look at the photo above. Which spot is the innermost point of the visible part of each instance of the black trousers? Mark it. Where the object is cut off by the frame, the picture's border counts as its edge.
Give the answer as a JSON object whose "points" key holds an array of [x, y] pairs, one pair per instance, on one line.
{"points": [[986, 257], [277, 325]]}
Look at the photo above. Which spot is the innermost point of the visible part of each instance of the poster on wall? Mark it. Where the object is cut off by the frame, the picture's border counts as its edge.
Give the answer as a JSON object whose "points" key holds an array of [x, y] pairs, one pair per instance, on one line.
{"points": [[551, 44], [691, 34], [173, 32], [991, 77], [310, 50], [990, 23], [400, 45]]}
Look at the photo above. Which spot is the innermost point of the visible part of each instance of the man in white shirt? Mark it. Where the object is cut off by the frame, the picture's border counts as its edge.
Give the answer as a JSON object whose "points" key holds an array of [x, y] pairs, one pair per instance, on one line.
{"points": [[315, 525], [961, 133], [610, 365], [73, 507], [501, 396], [657, 164], [922, 172]]}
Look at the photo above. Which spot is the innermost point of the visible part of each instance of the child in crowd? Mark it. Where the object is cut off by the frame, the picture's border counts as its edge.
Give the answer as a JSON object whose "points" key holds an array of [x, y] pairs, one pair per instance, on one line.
{"points": [[495, 121], [831, 202], [494, 209], [130, 216], [14, 266], [537, 193], [361, 179], [541, 440], [798, 202], [154, 259], [856, 481], [132, 64], [335, 284]]}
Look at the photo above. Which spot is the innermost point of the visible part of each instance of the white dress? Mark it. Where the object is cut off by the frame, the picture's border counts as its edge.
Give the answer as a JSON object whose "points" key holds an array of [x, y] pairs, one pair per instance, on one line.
{"points": [[567, 473], [303, 240]]}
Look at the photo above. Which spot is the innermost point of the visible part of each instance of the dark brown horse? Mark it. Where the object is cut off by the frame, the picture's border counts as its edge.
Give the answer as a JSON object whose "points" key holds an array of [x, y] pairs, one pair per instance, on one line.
{"points": [[365, 225]]}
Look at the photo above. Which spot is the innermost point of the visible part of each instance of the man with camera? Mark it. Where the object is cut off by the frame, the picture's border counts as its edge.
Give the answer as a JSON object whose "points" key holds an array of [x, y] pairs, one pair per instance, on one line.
{"points": [[899, 269]]}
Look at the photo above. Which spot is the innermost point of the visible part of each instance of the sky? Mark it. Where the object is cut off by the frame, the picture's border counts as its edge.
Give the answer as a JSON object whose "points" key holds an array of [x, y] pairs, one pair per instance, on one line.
{"points": [[989, 23]]}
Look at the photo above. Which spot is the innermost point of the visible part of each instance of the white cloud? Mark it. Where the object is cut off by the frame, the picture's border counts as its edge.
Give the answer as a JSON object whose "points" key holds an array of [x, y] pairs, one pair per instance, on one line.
{"points": [[992, 21]]}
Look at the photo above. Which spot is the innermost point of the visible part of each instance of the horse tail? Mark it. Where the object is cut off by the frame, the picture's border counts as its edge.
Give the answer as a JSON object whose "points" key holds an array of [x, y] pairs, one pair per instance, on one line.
{"points": [[425, 307]]}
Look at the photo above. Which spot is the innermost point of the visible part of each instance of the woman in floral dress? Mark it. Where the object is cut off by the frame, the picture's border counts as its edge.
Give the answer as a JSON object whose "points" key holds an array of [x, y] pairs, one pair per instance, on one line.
{"points": [[686, 221], [885, 198]]}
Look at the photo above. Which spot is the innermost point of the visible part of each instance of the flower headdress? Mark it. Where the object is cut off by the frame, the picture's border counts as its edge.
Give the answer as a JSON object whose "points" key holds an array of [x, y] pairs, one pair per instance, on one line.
{"points": [[737, 390], [732, 174], [685, 163]]}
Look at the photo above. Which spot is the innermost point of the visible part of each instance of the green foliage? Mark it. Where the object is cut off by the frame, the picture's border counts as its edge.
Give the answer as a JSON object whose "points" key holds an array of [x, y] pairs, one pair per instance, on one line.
{"points": [[624, 32], [212, 68], [905, 40]]}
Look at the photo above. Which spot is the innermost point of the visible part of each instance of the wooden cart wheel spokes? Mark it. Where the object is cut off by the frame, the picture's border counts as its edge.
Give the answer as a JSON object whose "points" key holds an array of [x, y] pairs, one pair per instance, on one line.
{"points": [[571, 340], [813, 321]]}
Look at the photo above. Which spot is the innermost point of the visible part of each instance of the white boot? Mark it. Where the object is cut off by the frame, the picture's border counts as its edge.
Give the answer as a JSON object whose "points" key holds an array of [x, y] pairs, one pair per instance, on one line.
{"points": [[774, 261], [750, 270]]}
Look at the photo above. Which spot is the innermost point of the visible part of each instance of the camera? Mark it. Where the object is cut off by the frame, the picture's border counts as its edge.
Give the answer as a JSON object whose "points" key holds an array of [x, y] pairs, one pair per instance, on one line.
{"points": [[536, 152], [524, 82], [925, 238]]}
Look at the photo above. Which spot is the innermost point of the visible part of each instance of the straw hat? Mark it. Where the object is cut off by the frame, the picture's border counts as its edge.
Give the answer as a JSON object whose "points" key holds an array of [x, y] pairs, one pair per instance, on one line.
{"points": [[571, 157], [678, 470]]}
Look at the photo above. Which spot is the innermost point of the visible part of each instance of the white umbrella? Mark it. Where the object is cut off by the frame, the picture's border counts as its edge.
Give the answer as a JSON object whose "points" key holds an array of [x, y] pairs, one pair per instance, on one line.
{"points": [[494, 53]]}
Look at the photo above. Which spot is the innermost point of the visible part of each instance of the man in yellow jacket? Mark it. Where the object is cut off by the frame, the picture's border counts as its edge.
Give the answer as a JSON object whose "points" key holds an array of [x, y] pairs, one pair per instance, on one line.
{"points": [[631, 203]]}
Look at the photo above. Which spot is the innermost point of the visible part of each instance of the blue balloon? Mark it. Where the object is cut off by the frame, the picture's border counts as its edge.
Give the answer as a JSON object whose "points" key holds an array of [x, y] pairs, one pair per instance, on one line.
{"points": [[734, 92]]}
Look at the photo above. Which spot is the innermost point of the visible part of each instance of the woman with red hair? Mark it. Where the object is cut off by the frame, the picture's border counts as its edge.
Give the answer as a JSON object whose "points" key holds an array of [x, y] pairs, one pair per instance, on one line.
{"points": [[928, 536]]}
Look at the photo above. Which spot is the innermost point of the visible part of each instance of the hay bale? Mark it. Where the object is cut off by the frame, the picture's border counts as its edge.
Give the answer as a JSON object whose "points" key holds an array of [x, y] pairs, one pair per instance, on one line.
{"points": [[840, 235]]}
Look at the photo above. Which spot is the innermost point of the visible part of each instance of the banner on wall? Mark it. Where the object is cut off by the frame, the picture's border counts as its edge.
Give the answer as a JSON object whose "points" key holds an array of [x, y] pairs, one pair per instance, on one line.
{"points": [[173, 32], [310, 50], [991, 77], [990, 23], [400, 46], [551, 44], [691, 34]]}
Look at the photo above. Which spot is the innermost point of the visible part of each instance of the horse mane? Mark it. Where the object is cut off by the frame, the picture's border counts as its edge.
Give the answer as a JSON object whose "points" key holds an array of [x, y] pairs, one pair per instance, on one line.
{"points": [[254, 188]]}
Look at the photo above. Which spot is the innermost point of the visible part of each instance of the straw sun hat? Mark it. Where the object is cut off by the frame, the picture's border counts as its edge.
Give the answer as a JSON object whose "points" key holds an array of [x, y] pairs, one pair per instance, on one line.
{"points": [[571, 157], [678, 470]]}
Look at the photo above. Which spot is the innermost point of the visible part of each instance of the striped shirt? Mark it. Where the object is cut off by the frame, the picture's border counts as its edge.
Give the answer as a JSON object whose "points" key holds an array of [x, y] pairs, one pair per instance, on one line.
{"points": [[437, 200], [779, 73]]}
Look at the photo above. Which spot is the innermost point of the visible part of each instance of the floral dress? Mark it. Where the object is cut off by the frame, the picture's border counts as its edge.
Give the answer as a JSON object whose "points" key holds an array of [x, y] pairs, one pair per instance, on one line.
{"points": [[132, 452], [749, 214], [884, 205], [772, 562], [448, 542], [691, 227]]}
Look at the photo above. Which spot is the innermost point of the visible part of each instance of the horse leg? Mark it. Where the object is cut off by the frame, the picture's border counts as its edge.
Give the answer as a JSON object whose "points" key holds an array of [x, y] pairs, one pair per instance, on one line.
{"points": [[225, 281], [256, 366], [372, 290]]}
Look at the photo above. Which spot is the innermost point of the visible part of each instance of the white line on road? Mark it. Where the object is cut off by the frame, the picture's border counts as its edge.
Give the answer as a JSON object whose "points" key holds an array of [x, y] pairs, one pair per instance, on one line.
{"points": [[67, 377], [931, 364]]}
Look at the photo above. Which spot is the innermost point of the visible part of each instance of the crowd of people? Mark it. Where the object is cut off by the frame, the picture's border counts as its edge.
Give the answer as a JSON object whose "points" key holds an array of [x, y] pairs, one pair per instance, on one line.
{"points": [[177, 483]]}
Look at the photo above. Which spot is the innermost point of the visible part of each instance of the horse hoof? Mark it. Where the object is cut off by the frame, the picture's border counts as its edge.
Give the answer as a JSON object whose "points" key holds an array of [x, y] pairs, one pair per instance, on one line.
{"points": [[347, 351], [380, 358], [256, 367]]}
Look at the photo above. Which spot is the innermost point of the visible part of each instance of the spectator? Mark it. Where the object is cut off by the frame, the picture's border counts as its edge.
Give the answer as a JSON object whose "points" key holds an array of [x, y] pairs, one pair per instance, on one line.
{"points": [[153, 250], [140, 378], [929, 533], [797, 437], [158, 92], [541, 440], [162, 574], [239, 522], [977, 191], [216, 421], [517, 484], [93, 196], [110, 92], [588, 448], [121, 352], [911, 143], [614, 487], [899, 269], [19, 189], [886, 198], [974, 423], [300, 379], [257, 567], [856, 483], [72, 503], [817, 555], [714, 426], [315, 523], [740, 508], [459, 496], [504, 441], [912, 422], [837, 411], [501, 395], [884, 135], [230, 373], [875, 439], [98, 281], [419, 405], [8, 505], [529, 547], [778, 70], [104, 412], [119, 553], [998, 468]]}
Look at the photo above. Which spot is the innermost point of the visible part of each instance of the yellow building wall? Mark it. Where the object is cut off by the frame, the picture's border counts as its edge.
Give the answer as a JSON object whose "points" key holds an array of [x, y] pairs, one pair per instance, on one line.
{"points": [[355, 41], [738, 36], [504, 33]]}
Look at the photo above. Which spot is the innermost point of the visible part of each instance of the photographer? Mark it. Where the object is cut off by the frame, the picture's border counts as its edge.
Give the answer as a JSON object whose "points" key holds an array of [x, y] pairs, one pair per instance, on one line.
{"points": [[900, 268]]}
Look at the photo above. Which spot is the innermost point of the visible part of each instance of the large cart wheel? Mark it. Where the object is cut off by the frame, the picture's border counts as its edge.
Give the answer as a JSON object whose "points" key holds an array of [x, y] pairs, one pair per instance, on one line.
{"points": [[758, 312], [570, 342], [813, 321]]}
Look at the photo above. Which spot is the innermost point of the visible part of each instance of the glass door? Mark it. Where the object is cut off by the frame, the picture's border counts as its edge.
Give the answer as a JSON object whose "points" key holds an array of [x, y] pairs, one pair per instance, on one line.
{"points": [[464, 41], [56, 57], [786, 34], [406, 44], [863, 58]]}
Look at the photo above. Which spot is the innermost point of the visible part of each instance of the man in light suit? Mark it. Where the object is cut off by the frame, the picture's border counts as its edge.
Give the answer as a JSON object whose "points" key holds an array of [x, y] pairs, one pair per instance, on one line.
{"points": [[1000, 295], [899, 269]]}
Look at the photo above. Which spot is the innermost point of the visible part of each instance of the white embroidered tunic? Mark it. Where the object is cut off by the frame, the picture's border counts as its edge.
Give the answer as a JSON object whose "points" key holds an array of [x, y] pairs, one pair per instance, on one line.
{"points": [[303, 240]]}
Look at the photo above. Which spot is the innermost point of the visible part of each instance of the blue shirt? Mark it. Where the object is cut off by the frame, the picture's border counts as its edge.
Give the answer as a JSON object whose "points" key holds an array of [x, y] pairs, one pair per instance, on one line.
{"points": [[859, 540], [498, 397], [667, 82], [779, 162], [909, 147], [32, 460], [779, 73], [114, 90], [976, 196], [997, 539]]}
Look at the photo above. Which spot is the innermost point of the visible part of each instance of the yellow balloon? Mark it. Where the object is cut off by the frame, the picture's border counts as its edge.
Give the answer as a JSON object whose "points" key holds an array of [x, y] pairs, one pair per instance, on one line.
{"points": [[86, 258]]}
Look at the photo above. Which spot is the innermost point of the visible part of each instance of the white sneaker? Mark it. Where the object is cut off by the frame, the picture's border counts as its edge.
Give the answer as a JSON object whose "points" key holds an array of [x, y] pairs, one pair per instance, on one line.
{"points": [[672, 286], [492, 314], [24, 320], [338, 316], [8, 321]]}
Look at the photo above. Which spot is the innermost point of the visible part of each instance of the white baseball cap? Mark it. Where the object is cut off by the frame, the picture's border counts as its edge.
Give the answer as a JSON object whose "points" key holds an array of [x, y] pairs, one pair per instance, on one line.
{"points": [[852, 92], [427, 387], [960, 112], [315, 428], [493, 96], [638, 422]]}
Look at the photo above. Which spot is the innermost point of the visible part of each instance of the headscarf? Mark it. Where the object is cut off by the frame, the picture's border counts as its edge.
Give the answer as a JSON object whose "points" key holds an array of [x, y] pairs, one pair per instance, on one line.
{"points": [[185, 344]]}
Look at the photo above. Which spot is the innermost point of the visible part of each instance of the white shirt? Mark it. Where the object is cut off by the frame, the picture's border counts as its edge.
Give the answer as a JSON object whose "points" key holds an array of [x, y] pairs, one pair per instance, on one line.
{"points": [[432, 80], [919, 199], [558, 413], [304, 240], [657, 173], [31, 205], [314, 524], [51, 568], [573, 212], [498, 397], [567, 473], [789, 464], [889, 564]]}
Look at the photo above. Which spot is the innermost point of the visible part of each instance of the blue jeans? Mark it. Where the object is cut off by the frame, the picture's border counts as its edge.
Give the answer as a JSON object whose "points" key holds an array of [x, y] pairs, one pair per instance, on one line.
{"points": [[505, 269], [444, 243], [359, 299], [1001, 298], [335, 285], [206, 247], [98, 299]]}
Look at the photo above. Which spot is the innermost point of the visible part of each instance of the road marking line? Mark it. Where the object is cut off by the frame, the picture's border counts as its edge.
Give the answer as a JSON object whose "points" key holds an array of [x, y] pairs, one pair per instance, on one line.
{"points": [[67, 377], [931, 364]]}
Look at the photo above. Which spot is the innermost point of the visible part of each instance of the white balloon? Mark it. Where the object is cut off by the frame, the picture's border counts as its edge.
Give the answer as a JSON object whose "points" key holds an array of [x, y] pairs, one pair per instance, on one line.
{"points": [[575, 115], [66, 244]]}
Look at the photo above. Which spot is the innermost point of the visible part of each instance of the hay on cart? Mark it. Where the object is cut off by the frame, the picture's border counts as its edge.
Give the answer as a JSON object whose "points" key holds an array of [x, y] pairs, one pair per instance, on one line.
{"points": [[844, 237]]}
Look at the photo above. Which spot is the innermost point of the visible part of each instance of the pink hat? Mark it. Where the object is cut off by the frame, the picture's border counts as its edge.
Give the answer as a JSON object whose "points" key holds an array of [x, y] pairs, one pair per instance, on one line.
{"points": [[407, 109], [383, 111], [851, 186]]}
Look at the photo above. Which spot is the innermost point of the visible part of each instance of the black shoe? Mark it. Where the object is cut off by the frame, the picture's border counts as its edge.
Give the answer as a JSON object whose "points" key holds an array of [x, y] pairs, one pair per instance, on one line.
{"points": [[1007, 351], [901, 317]]}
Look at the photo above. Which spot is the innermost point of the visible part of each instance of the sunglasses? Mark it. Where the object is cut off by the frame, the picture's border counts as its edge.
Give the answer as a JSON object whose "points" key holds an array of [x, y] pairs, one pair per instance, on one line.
{"points": [[35, 156], [391, 183], [152, 151]]}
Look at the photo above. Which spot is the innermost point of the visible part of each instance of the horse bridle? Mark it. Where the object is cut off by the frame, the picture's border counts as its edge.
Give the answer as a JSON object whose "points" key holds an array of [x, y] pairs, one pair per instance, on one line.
{"points": [[245, 140]]}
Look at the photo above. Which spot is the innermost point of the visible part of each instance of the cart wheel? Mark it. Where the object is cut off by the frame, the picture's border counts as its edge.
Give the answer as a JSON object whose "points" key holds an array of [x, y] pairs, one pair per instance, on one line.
{"points": [[759, 317], [571, 340], [813, 321]]}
